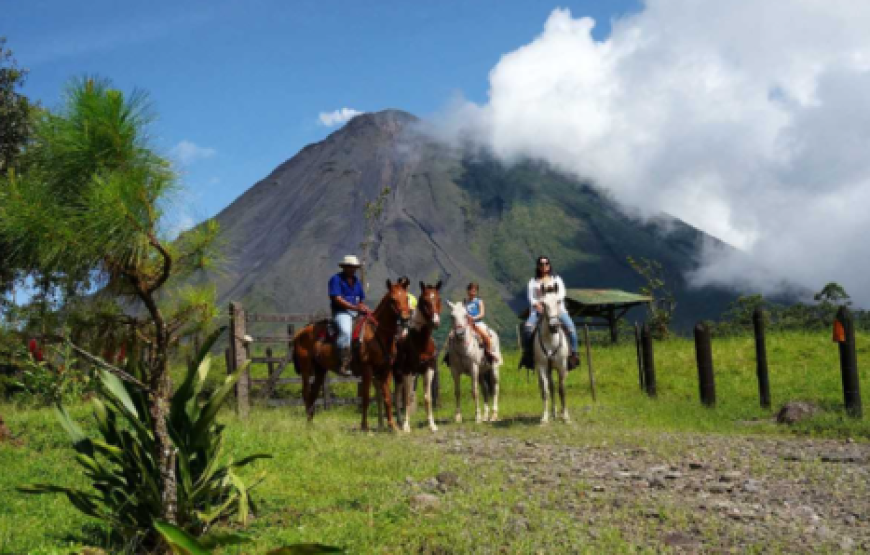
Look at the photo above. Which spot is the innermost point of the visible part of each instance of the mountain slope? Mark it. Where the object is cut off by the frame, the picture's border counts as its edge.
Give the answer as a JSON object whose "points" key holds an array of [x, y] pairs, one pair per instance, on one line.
{"points": [[449, 215]]}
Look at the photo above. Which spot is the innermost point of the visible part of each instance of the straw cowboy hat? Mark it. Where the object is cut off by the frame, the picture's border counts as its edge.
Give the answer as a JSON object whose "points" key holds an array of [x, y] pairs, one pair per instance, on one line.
{"points": [[350, 260]]}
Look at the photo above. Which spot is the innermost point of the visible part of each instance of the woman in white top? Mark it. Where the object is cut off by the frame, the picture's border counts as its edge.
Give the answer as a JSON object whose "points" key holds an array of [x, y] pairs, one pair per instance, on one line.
{"points": [[544, 276]]}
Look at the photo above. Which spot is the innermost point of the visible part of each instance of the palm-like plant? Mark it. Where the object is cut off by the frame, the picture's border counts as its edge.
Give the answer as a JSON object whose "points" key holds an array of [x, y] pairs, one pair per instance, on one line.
{"points": [[125, 472]]}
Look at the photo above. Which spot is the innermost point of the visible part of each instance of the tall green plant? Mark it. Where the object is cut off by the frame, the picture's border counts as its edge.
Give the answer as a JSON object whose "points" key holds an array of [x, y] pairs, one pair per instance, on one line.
{"points": [[126, 475]]}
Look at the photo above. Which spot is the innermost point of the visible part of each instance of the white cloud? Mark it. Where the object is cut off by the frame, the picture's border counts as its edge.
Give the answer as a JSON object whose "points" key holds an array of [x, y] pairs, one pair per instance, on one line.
{"points": [[337, 117], [749, 119], [186, 152]]}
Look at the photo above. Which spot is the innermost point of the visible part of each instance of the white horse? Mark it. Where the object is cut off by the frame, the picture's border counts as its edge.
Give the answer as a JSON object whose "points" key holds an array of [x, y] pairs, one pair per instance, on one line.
{"points": [[468, 357], [551, 353]]}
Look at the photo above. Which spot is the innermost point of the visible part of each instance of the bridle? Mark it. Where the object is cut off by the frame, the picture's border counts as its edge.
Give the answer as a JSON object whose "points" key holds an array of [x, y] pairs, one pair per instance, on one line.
{"points": [[426, 306], [553, 323]]}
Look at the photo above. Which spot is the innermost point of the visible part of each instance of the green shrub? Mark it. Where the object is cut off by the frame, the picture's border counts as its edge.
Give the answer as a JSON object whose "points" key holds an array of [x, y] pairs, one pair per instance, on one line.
{"points": [[125, 474], [58, 379]]}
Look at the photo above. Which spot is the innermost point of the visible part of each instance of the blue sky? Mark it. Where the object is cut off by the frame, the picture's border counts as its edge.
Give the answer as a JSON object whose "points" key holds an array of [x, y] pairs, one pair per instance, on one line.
{"points": [[239, 85]]}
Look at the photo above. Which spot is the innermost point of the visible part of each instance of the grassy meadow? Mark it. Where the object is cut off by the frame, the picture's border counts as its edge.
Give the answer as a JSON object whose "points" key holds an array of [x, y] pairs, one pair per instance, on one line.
{"points": [[329, 483]]}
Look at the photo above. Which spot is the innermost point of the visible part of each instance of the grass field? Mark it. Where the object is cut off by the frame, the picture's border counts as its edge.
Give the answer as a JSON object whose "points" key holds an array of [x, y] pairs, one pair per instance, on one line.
{"points": [[329, 483]]}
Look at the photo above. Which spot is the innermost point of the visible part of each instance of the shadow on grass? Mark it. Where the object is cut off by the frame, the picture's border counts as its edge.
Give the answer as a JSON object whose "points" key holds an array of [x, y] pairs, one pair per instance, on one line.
{"points": [[91, 535], [518, 420]]}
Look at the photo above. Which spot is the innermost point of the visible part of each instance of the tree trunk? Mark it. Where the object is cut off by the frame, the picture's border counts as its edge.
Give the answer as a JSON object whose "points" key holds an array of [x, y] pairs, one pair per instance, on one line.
{"points": [[161, 393]]}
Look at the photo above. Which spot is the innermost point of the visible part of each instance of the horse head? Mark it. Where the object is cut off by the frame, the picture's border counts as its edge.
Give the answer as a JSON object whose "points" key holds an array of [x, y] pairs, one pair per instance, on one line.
{"points": [[397, 300], [550, 304], [429, 303], [460, 317]]}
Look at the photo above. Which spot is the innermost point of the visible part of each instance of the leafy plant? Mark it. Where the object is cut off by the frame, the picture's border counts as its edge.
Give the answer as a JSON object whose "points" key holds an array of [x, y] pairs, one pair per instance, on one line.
{"points": [[661, 309], [53, 380], [126, 473]]}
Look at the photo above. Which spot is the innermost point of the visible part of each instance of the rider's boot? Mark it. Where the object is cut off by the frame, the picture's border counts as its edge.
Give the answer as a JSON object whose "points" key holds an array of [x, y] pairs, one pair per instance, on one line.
{"points": [[346, 354], [527, 358], [446, 358], [573, 360]]}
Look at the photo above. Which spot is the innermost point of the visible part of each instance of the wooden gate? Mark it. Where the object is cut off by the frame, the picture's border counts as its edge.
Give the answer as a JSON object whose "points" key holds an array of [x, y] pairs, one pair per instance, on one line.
{"points": [[238, 355]]}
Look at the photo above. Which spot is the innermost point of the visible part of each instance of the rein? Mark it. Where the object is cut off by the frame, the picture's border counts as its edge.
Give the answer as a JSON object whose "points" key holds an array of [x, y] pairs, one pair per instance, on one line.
{"points": [[559, 333]]}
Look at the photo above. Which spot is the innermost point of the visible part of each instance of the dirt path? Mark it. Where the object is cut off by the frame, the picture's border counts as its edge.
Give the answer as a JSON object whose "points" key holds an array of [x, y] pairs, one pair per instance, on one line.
{"points": [[686, 492]]}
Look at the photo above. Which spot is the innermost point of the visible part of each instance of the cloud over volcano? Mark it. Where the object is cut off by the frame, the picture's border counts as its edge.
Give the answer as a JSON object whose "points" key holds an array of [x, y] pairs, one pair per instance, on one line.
{"points": [[749, 119]]}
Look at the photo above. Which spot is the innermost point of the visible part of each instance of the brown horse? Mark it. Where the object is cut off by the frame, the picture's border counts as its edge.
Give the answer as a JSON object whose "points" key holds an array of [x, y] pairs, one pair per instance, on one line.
{"points": [[416, 352], [313, 354]]}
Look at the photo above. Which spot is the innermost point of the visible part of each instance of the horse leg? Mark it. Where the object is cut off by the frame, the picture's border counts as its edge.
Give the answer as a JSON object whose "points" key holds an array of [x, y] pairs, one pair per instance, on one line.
{"points": [[563, 375], [397, 388], [484, 389], [407, 384], [319, 376], [545, 393], [475, 391], [304, 370], [430, 377], [494, 417], [552, 382], [384, 383], [366, 394], [457, 377]]}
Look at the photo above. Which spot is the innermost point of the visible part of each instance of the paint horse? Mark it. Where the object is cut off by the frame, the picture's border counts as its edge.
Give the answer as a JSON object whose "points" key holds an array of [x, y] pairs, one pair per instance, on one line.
{"points": [[315, 352], [416, 352], [467, 357], [551, 350]]}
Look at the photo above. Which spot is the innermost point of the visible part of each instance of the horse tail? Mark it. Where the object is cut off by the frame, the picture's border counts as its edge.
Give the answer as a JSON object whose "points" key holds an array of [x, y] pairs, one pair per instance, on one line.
{"points": [[296, 338], [487, 383], [296, 360]]}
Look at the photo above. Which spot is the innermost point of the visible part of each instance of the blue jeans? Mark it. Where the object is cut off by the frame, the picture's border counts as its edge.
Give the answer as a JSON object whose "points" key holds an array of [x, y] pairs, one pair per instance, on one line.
{"points": [[344, 321], [566, 320]]}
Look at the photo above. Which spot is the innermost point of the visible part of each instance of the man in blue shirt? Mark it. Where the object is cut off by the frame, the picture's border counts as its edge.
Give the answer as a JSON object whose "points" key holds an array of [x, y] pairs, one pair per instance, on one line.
{"points": [[346, 295]]}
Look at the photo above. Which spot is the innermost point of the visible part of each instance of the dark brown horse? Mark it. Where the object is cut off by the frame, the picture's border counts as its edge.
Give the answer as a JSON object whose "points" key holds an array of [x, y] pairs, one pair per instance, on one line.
{"points": [[416, 352], [314, 354]]}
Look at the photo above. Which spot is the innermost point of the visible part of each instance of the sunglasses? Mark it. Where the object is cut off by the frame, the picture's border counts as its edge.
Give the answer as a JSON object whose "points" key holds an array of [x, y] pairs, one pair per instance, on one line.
{"points": [[544, 263]]}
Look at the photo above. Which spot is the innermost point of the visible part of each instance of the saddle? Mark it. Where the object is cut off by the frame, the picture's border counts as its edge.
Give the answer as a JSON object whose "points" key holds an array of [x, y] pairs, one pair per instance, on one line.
{"points": [[327, 331]]}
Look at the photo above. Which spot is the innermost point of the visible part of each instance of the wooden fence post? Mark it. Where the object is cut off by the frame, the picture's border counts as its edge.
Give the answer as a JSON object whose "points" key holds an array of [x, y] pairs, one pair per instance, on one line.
{"points": [[639, 356], [761, 357], [849, 364], [649, 365], [589, 362], [270, 365], [704, 357], [239, 354]]}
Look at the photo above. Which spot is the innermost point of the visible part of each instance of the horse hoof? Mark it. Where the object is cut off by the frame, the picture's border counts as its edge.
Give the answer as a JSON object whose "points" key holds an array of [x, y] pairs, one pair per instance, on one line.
{"points": [[458, 419], [545, 422], [494, 418], [433, 427]]}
